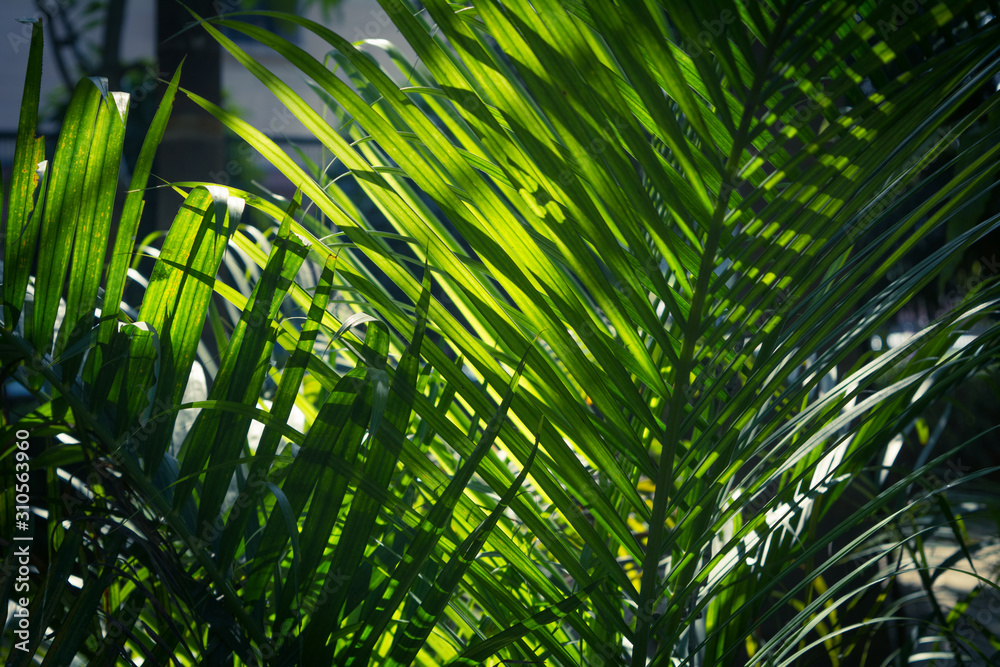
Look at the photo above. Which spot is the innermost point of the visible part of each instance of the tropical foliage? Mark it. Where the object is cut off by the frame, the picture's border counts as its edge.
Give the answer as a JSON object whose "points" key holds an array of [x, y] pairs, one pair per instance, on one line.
{"points": [[580, 372]]}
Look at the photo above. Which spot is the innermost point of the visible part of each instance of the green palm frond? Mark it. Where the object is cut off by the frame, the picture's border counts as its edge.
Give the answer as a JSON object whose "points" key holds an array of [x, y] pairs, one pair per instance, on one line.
{"points": [[617, 266]]}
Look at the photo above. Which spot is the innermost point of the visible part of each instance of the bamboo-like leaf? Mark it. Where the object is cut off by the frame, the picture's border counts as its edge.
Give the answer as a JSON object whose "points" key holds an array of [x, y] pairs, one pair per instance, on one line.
{"points": [[281, 407], [131, 213], [430, 531], [176, 302], [364, 511], [69, 193], [66, 642], [477, 653], [94, 226], [337, 432], [20, 227], [242, 371], [409, 643]]}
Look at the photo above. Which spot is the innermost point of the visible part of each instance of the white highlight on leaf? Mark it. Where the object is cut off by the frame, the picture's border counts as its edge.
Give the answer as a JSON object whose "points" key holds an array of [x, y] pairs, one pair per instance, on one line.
{"points": [[121, 103], [891, 451]]}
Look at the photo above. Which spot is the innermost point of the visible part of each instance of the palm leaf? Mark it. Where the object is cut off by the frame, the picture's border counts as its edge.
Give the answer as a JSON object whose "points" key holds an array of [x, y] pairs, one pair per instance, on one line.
{"points": [[664, 232]]}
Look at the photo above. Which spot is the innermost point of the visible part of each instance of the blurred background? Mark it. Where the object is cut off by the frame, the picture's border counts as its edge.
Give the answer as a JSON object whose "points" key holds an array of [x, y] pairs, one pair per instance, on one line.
{"points": [[137, 44]]}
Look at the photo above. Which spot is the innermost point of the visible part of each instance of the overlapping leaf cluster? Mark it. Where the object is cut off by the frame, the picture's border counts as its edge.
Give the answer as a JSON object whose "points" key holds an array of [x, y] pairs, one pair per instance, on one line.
{"points": [[614, 401]]}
